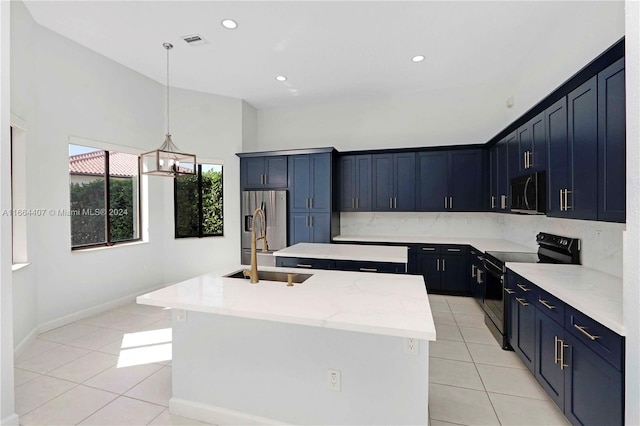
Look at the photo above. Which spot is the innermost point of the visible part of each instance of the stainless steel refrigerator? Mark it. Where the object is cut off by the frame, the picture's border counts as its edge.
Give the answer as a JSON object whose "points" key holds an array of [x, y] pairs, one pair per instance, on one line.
{"points": [[274, 204]]}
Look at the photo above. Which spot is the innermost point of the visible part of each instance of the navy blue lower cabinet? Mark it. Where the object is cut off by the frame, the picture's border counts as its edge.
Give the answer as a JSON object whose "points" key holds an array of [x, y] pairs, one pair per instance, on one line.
{"points": [[455, 278], [364, 266], [299, 262], [320, 227], [429, 268], [549, 362], [525, 332], [593, 387]]}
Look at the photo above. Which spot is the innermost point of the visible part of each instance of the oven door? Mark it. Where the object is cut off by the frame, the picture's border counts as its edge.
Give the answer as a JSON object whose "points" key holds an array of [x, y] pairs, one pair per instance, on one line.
{"points": [[494, 295]]}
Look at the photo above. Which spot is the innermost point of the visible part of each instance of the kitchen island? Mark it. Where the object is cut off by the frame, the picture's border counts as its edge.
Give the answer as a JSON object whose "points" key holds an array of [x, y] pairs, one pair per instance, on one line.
{"points": [[262, 353]]}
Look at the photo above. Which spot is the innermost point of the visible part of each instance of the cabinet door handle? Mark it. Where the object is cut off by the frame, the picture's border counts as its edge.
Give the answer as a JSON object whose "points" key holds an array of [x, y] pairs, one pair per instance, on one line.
{"points": [[368, 270], [266, 179], [561, 206], [585, 332], [357, 203], [530, 162], [493, 202], [503, 201], [562, 346], [428, 249], [450, 202], [523, 288], [353, 203], [437, 264], [522, 301], [473, 271], [304, 265], [479, 276], [566, 199], [453, 250], [556, 358], [395, 203], [445, 202], [508, 290], [390, 202], [443, 265], [546, 304]]}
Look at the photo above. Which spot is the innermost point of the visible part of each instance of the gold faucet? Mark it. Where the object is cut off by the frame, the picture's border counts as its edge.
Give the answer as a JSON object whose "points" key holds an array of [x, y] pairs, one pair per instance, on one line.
{"points": [[253, 273]]}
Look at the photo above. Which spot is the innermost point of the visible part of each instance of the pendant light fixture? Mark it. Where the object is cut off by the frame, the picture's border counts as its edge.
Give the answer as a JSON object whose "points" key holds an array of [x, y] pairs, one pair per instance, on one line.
{"points": [[167, 160]]}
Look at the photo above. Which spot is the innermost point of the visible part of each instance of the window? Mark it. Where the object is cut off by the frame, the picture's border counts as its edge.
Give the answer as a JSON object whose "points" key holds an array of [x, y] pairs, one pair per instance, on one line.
{"points": [[104, 188], [198, 203], [19, 212]]}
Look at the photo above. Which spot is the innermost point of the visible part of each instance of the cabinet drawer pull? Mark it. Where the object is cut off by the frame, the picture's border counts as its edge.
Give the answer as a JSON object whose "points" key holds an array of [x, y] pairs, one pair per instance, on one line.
{"points": [[473, 271], [304, 265], [453, 249], [368, 270], [493, 201], [522, 301], [546, 304], [508, 291], [585, 332], [356, 203], [390, 202], [523, 288], [503, 202], [428, 249]]}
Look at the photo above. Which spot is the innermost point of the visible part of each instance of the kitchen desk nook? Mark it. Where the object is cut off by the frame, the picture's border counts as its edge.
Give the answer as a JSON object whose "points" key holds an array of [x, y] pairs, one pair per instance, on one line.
{"points": [[340, 348]]}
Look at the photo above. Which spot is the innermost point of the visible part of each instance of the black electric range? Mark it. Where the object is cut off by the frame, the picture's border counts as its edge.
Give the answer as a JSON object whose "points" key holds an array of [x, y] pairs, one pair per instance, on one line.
{"points": [[551, 249]]}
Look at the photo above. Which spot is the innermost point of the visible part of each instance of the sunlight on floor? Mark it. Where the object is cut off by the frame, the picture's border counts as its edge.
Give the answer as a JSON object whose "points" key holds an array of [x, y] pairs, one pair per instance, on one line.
{"points": [[145, 347]]}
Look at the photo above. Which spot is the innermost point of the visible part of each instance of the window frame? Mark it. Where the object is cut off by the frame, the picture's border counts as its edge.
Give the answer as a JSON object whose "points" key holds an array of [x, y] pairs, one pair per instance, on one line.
{"points": [[107, 196], [200, 209]]}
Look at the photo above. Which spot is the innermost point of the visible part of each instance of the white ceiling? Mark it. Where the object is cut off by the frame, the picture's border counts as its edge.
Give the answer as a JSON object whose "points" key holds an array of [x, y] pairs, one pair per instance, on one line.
{"points": [[327, 49]]}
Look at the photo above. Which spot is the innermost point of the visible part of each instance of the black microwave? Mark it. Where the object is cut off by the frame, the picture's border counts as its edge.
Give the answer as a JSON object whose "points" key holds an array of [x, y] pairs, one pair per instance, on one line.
{"points": [[529, 194]]}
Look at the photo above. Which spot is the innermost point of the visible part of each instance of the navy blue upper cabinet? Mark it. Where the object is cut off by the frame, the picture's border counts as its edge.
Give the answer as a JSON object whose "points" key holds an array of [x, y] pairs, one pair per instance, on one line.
{"points": [[581, 199], [573, 165], [269, 172], [493, 179], [393, 178], [532, 144], [467, 190], [433, 177], [310, 182], [611, 143], [355, 183], [451, 180], [503, 176], [514, 155], [557, 173]]}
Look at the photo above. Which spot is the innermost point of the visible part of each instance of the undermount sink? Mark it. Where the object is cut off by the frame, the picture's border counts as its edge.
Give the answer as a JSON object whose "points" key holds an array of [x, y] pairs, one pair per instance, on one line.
{"points": [[274, 276]]}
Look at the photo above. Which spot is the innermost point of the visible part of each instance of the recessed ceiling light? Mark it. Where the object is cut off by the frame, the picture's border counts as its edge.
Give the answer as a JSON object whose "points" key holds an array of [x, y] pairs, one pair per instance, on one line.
{"points": [[281, 78], [230, 24], [417, 58]]}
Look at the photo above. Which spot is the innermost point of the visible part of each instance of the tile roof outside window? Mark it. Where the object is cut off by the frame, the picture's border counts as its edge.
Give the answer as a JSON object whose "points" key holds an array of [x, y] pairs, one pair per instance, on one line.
{"points": [[92, 163]]}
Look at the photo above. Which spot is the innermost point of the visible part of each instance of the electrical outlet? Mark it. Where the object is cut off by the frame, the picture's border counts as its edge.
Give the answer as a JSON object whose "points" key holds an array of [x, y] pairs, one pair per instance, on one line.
{"points": [[334, 380], [411, 346], [181, 315]]}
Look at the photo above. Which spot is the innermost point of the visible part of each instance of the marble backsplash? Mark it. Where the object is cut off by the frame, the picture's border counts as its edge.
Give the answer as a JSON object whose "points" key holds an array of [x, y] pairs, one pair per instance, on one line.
{"points": [[601, 241]]}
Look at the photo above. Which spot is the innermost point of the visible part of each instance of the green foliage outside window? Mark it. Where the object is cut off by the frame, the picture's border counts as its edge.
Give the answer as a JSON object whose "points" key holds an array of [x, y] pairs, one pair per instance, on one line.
{"points": [[199, 203]]}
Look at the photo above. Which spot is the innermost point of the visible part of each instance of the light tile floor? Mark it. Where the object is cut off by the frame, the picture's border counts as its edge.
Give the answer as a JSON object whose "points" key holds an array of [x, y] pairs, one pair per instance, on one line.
{"points": [[115, 369], [472, 380]]}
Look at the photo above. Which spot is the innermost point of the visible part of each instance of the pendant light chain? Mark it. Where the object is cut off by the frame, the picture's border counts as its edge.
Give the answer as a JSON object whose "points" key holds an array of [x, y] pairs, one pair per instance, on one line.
{"points": [[168, 46]]}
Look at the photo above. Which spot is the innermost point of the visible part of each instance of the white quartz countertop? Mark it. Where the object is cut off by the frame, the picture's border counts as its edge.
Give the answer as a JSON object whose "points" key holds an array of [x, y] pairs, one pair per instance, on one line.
{"points": [[482, 244], [386, 304], [394, 254], [592, 292]]}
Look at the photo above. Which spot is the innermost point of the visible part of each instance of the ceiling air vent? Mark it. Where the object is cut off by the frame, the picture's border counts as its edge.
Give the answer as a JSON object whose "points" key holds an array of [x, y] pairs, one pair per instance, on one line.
{"points": [[195, 40]]}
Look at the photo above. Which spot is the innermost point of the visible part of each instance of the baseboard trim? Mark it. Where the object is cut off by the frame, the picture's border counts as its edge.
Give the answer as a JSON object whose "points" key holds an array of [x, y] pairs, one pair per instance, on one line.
{"points": [[216, 415], [76, 316], [11, 420]]}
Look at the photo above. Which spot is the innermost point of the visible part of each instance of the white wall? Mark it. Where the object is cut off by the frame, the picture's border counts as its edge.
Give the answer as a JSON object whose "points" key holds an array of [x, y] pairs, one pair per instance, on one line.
{"points": [[7, 405], [61, 90], [631, 289], [249, 127], [213, 125]]}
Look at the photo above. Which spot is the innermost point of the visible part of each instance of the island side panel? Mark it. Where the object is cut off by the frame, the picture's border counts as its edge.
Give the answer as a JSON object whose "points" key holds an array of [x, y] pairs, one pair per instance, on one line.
{"points": [[279, 371]]}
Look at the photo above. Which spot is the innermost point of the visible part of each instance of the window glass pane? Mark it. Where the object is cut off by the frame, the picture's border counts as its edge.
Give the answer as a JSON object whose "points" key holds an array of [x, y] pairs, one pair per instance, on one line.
{"points": [[186, 206], [123, 196], [87, 190], [211, 199]]}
